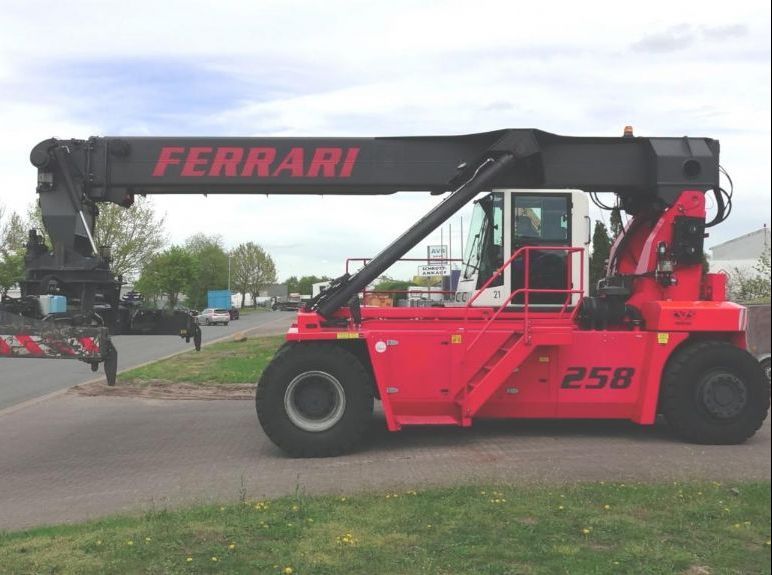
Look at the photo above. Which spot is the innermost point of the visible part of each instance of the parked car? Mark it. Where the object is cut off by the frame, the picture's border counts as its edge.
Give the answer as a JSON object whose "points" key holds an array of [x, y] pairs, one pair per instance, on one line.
{"points": [[212, 316], [234, 312]]}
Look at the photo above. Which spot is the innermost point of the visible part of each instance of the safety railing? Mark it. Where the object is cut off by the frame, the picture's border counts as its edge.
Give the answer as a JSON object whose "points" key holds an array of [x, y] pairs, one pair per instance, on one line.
{"points": [[527, 291]]}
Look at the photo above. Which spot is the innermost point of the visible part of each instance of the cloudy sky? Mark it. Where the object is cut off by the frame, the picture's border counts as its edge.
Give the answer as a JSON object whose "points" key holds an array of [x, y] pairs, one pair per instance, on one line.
{"points": [[290, 68]]}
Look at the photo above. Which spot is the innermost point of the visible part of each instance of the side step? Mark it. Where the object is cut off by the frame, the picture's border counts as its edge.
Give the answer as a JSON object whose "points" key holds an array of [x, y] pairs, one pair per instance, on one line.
{"points": [[484, 383]]}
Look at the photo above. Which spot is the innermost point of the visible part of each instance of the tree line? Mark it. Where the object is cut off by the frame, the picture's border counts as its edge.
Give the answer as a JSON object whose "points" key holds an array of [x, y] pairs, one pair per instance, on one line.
{"points": [[141, 253]]}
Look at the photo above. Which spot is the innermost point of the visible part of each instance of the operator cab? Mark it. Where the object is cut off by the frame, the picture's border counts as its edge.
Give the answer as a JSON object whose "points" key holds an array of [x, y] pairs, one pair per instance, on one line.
{"points": [[504, 221]]}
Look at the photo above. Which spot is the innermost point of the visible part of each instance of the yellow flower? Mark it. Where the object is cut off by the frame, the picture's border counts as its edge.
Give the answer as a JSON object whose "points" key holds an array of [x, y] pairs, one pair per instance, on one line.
{"points": [[147, 539], [607, 507], [342, 499], [561, 508], [295, 507], [99, 542], [232, 546], [215, 559], [288, 571], [130, 542], [189, 559], [586, 530]]}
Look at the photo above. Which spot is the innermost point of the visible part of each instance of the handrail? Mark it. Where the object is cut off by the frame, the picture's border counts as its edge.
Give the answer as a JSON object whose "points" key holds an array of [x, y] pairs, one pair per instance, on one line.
{"points": [[526, 290]]}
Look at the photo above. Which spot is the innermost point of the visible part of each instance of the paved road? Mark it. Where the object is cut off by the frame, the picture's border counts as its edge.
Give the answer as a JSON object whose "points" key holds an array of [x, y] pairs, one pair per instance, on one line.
{"points": [[71, 457], [24, 379]]}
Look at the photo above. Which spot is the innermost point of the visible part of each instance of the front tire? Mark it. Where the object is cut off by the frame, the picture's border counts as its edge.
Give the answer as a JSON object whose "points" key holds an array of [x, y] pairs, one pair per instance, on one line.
{"points": [[714, 393], [315, 400]]}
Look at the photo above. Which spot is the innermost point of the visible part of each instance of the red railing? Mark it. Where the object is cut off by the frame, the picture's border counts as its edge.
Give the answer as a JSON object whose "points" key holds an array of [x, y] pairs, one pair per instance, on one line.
{"points": [[569, 290]]}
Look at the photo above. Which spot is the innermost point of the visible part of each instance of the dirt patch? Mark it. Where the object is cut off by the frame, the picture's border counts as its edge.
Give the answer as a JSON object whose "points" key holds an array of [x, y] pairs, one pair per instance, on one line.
{"points": [[166, 390]]}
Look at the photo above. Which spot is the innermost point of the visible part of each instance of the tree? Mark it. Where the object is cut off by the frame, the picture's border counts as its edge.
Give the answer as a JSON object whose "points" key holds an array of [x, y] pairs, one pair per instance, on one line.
{"points": [[133, 234], [601, 247], [211, 263], [306, 283], [12, 240], [167, 274], [615, 223], [251, 270], [387, 284], [292, 284], [752, 287]]}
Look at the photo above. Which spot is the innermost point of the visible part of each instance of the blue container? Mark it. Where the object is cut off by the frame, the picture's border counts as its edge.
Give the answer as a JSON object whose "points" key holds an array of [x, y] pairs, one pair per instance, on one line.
{"points": [[53, 304], [219, 299]]}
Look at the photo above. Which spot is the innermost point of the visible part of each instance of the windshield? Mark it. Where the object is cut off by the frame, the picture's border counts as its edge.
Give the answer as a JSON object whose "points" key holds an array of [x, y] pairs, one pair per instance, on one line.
{"points": [[485, 244]]}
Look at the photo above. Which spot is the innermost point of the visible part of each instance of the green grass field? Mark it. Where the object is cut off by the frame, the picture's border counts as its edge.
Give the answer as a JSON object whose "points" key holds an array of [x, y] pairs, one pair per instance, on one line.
{"points": [[219, 363], [590, 528]]}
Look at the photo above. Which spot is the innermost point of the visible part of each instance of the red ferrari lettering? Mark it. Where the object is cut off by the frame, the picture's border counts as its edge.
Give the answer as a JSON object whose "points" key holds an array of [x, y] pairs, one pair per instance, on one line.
{"points": [[226, 160], [194, 163], [259, 159], [259, 162], [166, 158], [324, 161], [292, 162]]}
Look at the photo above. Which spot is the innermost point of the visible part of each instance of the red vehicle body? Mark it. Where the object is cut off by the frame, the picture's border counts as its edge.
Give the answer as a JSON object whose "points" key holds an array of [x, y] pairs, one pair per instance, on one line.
{"points": [[524, 341], [452, 365]]}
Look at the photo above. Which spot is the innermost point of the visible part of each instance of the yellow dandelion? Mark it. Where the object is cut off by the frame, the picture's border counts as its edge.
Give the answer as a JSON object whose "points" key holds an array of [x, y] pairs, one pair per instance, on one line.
{"points": [[99, 542], [561, 508], [607, 507], [130, 543], [429, 526], [189, 559], [288, 571], [586, 530], [215, 559], [148, 540], [736, 525], [222, 508], [295, 507], [342, 499], [232, 546]]}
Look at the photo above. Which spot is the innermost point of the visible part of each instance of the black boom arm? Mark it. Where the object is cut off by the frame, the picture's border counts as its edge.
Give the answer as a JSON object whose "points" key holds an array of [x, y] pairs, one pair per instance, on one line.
{"points": [[75, 175]]}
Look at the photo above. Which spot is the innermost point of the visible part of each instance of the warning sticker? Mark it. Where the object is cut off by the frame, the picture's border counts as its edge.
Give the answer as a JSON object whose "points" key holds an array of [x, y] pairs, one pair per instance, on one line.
{"points": [[663, 338], [456, 338], [347, 335]]}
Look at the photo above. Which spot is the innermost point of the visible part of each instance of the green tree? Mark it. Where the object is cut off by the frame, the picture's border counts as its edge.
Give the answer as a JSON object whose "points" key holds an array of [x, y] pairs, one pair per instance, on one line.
{"points": [[12, 240], [292, 284], [167, 274], [305, 284], [387, 284], [211, 271], [615, 223], [752, 287], [252, 269], [601, 246], [133, 234]]}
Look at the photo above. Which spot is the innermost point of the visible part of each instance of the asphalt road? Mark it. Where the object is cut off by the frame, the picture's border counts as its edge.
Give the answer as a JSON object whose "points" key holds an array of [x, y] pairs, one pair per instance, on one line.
{"points": [[25, 379], [71, 458]]}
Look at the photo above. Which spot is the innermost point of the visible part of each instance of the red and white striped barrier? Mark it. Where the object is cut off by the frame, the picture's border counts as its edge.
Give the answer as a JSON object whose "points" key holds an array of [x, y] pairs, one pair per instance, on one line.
{"points": [[42, 346]]}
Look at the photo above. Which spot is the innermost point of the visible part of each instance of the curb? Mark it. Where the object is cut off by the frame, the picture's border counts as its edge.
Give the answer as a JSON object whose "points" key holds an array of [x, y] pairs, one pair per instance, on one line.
{"points": [[57, 393]]}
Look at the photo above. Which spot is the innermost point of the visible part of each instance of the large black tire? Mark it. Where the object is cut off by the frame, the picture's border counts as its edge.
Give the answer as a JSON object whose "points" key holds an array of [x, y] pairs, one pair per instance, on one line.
{"points": [[714, 393], [342, 423]]}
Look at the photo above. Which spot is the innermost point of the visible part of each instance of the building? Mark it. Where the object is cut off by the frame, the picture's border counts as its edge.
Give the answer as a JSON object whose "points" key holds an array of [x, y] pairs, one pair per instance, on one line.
{"points": [[740, 253]]}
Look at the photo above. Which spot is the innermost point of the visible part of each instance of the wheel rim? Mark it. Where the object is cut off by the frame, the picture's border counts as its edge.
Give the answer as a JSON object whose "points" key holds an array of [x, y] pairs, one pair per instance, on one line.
{"points": [[315, 401], [723, 394]]}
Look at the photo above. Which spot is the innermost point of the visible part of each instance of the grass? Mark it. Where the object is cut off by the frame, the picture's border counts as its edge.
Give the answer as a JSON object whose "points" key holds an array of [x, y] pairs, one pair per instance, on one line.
{"points": [[226, 362], [587, 528]]}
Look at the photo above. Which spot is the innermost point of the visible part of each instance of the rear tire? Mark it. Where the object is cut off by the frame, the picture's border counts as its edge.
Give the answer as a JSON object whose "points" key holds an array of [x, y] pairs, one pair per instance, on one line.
{"points": [[714, 393], [315, 400]]}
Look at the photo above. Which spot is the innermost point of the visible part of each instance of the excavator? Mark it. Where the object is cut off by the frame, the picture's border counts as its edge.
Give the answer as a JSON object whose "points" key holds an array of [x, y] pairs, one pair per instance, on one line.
{"points": [[521, 338]]}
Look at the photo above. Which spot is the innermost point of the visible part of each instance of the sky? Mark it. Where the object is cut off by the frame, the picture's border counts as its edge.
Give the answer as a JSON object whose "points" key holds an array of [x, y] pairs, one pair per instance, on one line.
{"points": [[293, 68]]}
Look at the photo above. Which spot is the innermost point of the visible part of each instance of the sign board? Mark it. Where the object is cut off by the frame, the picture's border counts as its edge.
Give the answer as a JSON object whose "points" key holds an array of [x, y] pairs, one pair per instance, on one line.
{"points": [[437, 252], [434, 270]]}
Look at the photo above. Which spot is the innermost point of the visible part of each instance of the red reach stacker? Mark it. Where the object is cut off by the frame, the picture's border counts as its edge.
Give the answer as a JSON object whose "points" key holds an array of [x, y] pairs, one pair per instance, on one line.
{"points": [[521, 339]]}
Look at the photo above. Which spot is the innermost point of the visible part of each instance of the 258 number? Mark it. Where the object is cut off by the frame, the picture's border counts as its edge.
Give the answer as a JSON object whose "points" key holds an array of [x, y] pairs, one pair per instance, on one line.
{"points": [[598, 378]]}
